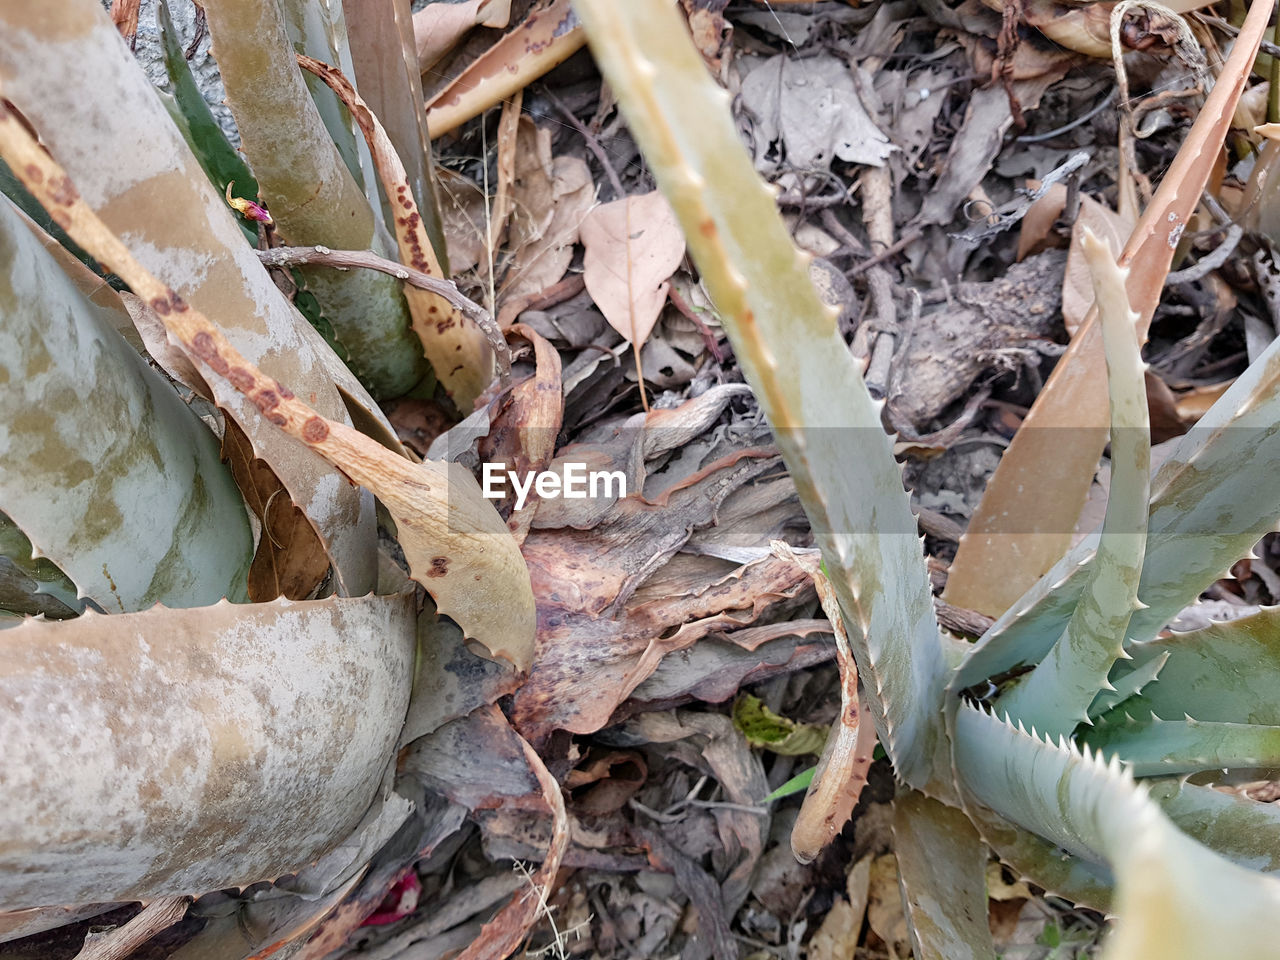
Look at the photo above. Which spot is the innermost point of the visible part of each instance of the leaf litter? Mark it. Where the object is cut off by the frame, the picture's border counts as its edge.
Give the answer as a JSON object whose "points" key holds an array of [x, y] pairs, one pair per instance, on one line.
{"points": [[658, 610]]}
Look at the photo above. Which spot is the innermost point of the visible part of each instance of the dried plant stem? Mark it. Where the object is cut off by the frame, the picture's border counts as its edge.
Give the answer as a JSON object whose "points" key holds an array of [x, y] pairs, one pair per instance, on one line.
{"points": [[122, 941], [500, 937], [877, 212], [344, 259]]}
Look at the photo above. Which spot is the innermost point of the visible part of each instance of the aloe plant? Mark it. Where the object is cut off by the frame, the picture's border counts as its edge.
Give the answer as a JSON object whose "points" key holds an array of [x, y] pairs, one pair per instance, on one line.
{"points": [[163, 735], [1040, 767]]}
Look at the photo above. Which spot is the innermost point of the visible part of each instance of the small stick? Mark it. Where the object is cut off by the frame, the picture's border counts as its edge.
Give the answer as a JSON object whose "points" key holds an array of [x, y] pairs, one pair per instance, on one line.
{"points": [[122, 941], [911, 237], [447, 289], [593, 144], [877, 212]]}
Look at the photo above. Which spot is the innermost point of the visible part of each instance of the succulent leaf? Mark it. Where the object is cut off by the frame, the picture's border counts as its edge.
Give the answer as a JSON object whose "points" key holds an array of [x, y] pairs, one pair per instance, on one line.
{"points": [[455, 543], [1227, 672], [1056, 695], [134, 474], [180, 225], [1152, 747], [219, 159], [825, 422], [179, 751], [942, 873], [310, 192], [1211, 501], [1175, 897], [1241, 829]]}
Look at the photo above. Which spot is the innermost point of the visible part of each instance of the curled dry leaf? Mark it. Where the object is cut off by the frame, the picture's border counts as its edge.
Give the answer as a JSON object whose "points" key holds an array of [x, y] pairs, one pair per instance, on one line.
{"points": [[842, 770], [438, 27], [480, 761], [550, 198], [290, 560], [195, 749], [523, 433], [547, 37], [632, 247], [455, 345], [455, 542]]}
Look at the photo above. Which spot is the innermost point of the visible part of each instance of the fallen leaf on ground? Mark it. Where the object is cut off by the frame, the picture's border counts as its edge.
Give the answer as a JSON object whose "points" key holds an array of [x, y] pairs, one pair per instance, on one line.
{"points": [[632, 247], [812, 109], [550, 198]]}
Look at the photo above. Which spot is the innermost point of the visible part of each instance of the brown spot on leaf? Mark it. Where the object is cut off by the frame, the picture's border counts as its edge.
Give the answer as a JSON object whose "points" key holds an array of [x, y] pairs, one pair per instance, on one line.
{"points": [[34, 173], [315, 430], [707, 228], [203, 346], [63, 191], [240, 378], [439, 567]]}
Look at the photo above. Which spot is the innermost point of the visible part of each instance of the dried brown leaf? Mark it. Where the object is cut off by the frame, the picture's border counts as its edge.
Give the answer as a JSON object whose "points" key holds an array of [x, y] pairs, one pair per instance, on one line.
{"points": [[457, 348], [523, 433], [632, 247], [547, 37], [842, 770], [550, 199], [290, 560], [1024, 522], [1077, 287]]}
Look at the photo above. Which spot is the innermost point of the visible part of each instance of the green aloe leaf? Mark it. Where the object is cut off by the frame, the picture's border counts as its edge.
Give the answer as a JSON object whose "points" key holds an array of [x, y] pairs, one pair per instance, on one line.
{"points": [[179, 226], [127, 493], [1176, 899], [1152, 747], [1212, 500], [1033, 858], [311, 193], [1226, 672], [942, 866], [318, 28], [1131, 684], [1057, 694], [174, 752], [1243, 830], [30, 585], [825, 422]]}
